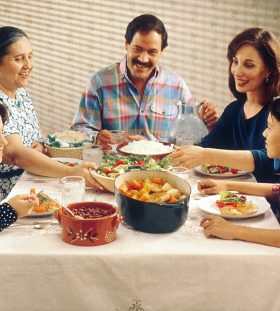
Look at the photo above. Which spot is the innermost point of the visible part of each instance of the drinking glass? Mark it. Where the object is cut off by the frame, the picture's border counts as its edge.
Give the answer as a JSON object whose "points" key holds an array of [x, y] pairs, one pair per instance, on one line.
{"points": [[180, 171], [118, 137], [92, 153], [184, 139], [73, 189]]}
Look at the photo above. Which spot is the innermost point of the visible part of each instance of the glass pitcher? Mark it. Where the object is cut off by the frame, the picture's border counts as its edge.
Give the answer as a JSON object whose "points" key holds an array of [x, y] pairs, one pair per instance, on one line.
{"points": [[187, 122]]}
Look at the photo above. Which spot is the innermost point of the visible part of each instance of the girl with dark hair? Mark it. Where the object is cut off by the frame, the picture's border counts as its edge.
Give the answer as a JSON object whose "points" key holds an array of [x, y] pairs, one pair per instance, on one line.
{"points": [[218, 227], [19, 205], [254, 79], [22, 130]]}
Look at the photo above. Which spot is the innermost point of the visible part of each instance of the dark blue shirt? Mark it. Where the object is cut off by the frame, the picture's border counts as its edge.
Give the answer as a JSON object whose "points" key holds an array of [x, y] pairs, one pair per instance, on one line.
{"points": [[234, 132]]}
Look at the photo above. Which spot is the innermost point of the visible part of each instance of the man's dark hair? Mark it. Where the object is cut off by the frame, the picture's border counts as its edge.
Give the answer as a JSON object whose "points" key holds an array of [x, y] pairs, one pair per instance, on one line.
{"points": [[144, 24]]}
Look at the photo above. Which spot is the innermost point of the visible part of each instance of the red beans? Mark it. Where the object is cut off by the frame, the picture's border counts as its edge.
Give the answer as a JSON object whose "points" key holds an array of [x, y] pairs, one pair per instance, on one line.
{"points": [[91, 212]]}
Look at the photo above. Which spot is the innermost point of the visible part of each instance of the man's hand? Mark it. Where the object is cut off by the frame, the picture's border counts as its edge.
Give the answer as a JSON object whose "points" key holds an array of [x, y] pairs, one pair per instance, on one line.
{"points": [[208, 112], [104, 139]]}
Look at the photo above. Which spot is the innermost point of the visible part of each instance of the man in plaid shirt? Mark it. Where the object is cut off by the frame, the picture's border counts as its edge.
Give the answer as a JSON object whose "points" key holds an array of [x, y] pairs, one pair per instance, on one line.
{"points": [[136, 95]]}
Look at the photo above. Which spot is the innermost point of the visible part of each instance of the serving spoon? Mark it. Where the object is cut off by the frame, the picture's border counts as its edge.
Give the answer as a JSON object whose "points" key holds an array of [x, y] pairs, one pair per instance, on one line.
{"points": [[67, 209]]}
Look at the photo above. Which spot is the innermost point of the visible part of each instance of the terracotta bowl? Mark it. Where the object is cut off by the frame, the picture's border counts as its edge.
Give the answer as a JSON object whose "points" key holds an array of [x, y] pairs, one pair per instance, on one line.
{"points": [[153, 217], [89, 232]]}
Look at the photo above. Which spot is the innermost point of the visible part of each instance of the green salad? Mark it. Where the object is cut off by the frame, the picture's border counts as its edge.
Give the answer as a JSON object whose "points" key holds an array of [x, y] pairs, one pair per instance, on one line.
{"points": [[115, 164]]}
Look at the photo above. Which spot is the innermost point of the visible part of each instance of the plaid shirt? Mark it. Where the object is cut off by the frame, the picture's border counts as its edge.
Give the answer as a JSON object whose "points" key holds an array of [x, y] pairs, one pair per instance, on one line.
{"points": [[112, 102]]}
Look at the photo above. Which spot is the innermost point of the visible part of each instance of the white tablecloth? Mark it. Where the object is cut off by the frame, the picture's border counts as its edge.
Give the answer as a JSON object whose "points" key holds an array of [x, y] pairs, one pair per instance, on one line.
{"points": [[139, 271]]}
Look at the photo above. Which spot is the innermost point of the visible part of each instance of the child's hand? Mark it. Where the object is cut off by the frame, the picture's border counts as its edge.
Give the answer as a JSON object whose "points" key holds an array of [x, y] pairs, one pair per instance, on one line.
{"points": [[23, 203]]}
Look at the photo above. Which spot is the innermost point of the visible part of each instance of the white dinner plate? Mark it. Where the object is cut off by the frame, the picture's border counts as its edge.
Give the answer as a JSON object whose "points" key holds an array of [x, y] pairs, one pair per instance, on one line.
{"points": [[208, 205], [40, 214], [144, 153], [199, 170]]}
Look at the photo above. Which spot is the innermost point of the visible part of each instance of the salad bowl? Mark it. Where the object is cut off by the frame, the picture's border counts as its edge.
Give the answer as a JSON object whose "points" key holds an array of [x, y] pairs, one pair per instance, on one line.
{"points": [[115, 164]]}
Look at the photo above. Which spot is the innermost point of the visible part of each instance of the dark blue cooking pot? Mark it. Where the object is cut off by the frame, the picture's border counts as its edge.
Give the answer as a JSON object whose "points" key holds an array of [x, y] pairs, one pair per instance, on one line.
{"points": [[153, 217]]}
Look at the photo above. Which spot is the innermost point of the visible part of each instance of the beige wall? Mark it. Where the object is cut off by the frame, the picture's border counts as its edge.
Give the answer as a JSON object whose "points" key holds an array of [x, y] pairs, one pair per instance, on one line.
{"points": [[72, 38]]}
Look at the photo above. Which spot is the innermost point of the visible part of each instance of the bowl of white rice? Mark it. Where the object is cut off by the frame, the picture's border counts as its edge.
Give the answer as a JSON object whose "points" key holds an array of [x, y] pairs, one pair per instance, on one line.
{"points": [[146, 147]]}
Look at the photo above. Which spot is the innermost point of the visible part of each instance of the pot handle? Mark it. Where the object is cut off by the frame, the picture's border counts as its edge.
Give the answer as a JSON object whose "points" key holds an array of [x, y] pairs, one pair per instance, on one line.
{"points": [[57, 216], [117, 220]]}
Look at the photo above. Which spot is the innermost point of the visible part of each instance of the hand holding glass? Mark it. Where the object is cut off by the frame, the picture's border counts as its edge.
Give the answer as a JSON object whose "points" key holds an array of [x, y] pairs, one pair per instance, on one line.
{"points": [[117, 137]]}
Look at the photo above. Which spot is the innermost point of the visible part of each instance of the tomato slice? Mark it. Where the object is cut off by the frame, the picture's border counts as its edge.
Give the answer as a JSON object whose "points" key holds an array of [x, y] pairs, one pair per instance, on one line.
{"points": [[119, 162], [221, 204]]}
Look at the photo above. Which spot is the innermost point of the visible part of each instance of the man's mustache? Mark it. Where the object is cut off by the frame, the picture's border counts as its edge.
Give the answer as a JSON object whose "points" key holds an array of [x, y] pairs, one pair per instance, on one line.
{"points": [[137, 62]]}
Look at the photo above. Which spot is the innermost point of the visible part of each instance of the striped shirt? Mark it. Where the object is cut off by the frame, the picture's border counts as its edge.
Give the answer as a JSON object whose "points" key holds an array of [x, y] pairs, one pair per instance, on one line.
{"points": [[112, 102]]}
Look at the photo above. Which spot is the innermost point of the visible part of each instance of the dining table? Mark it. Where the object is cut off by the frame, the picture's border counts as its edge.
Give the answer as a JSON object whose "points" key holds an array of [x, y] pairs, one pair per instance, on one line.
{"points": [[179, 271]]}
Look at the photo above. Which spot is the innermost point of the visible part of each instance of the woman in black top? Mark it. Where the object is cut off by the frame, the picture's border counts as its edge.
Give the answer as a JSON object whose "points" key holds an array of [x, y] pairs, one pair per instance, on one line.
{"points": [[19, 205]]}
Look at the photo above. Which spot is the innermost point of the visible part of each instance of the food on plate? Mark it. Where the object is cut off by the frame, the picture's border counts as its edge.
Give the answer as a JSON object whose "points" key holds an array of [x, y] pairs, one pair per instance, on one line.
{"points": [[154, 190], [231, 204], [46, 204], [218, 170], [146, 147], [115, 164]]}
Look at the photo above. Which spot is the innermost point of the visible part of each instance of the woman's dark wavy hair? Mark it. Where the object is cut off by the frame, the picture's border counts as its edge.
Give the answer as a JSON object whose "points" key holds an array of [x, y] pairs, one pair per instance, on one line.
{"points": [[146, 23], [3, 113], [274, 108], [269, 49], [9, 35]]}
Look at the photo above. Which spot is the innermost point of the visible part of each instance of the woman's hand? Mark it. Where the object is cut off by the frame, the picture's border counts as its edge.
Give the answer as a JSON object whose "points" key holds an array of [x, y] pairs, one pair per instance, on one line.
{"points": [[84, 171], [38, 146], [215, 226], [188, 156], [208, 112], [210, 186], [23, 203]]}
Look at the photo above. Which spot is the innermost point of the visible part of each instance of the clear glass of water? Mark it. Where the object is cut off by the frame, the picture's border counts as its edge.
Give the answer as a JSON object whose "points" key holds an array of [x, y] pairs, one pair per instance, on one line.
{"points": [[73, 189], [184, 139], [118, 137], [92, 153]]}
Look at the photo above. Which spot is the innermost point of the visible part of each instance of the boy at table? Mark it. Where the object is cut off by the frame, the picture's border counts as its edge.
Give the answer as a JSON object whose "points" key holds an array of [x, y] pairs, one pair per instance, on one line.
{"points": [[136, 95], [215, 226]]}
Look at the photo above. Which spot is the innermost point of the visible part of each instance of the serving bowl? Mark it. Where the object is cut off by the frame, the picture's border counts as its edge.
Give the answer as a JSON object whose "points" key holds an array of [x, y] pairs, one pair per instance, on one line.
{"points": [[143, 152], [107, 182], [153, 217], [89, 231]]}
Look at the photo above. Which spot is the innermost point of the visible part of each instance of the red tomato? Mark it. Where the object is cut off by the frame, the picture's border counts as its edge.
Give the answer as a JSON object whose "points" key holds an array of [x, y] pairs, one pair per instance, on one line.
{"points": [[221, 204], [107, 171], [140, 163], [119, 162], [234, 171]]}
